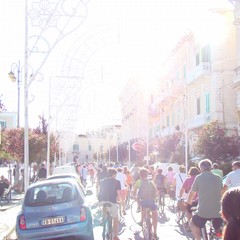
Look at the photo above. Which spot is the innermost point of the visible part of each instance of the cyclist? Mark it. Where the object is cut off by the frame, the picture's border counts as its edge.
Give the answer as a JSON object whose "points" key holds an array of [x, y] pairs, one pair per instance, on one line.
{"points": [[179, 178], [109, 192], [217, 170], [186, 187], [233, 178], [83, 175], [129, 183], [121, 177], [231, 213], [101, 174], [160, 182], [208, 186], [91, 174], [145, 191], [170, 178]]}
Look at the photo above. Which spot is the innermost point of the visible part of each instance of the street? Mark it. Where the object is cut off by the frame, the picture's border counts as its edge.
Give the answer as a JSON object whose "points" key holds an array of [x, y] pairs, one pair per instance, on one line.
{"points": [[128, 229]]}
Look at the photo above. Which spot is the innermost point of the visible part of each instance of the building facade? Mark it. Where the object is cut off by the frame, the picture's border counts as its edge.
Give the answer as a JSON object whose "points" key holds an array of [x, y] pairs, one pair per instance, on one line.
{"points": [[197, 85], [8, 120]]}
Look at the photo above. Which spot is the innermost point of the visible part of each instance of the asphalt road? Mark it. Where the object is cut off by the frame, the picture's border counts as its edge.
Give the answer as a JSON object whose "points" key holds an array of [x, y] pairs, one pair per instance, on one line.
{"points": [[128, 229]]}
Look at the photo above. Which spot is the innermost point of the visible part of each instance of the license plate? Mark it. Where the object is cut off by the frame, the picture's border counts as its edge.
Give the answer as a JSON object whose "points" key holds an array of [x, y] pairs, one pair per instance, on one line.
{"points": [[53, 221]]}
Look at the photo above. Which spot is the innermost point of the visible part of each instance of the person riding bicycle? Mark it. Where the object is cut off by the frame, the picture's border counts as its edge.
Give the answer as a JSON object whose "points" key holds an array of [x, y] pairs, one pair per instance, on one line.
{"points": [[109, 192], [208, 186], [160, 182], [186, 187], [233, 178], [146, 192], [170, 179], [121, 177]]}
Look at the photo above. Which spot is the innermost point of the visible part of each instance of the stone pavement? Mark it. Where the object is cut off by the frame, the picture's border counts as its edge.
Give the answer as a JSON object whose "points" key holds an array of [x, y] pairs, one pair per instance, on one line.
{"points": [[8, 214]]}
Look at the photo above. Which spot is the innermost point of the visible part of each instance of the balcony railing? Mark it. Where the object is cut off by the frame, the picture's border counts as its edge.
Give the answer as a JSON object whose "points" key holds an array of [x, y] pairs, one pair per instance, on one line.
{"points": [[199, 120], [236, 80], [202, 69]]}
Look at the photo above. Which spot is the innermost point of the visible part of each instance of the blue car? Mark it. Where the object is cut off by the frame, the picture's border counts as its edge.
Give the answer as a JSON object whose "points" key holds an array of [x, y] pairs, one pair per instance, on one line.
{"points": [[55, 209]]}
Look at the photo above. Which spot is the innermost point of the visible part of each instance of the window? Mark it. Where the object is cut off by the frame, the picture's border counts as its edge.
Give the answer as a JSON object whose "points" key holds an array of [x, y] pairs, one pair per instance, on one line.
{"points": [[168, 121], [205, 52], [198, 106], [207, 100], [184, 71], [3, 124], [52, 194], [75, 147], [173, 120], [197, 59], [89, 147]]}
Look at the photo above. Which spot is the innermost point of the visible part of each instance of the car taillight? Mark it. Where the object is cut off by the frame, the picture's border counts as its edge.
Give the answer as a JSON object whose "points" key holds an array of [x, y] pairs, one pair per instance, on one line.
{"points": [[22, 223], [83, 214]]}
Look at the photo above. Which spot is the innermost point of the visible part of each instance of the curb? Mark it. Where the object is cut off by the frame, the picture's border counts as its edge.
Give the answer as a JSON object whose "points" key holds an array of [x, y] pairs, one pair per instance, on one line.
{"points": [[7, 237], [11, 229]]}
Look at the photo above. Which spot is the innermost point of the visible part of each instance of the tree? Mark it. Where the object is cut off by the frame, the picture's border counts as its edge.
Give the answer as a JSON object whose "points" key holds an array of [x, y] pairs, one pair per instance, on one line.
{"points": [[215, 143], [13, 143], [43, 126], [168, 145]]}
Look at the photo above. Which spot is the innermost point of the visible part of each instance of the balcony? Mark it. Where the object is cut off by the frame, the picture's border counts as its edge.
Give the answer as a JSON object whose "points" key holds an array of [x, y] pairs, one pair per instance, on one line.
{"points": [[167, 131], [199, 120], [204, 68], [153, 110], [236, 80]]}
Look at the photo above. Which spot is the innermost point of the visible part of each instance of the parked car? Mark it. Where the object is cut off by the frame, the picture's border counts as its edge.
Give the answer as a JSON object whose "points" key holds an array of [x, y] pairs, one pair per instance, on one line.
{"points": [[64, 169], [67, 175], [55, 209]]}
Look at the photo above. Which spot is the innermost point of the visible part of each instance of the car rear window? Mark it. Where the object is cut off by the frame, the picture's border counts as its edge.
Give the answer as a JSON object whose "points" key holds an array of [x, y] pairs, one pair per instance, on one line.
{"points": [[52, 194]]}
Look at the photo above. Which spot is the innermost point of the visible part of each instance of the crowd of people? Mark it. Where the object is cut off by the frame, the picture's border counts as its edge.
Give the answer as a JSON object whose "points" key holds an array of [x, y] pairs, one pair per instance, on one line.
{"points": [[201, 187]]}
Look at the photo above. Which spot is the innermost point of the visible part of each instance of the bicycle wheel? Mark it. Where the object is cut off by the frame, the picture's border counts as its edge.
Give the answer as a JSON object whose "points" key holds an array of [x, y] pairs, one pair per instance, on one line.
{"points": [[136, 212], [204, 233], [147, 228], [128, 198], [185, 227], [104, 229], [109, 227], [161, 204]]}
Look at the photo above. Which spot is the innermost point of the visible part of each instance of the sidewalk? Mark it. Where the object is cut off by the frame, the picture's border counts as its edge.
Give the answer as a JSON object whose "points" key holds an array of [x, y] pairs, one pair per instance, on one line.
{"points": [[8, 214]]}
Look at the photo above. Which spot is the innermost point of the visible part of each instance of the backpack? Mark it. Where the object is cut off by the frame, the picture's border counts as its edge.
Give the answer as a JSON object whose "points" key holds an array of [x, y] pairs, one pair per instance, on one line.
{"points": [[146, 190]]}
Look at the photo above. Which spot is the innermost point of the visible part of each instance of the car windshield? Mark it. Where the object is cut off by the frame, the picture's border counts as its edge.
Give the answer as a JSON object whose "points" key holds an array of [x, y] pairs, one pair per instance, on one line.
{"points": [[52, 194]]}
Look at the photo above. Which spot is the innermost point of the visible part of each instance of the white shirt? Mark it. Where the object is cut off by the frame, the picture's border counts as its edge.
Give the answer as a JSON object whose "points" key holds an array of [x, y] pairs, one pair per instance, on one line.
{"points": [[180, 178], [122, 178], [233, 179], [84, 173]]}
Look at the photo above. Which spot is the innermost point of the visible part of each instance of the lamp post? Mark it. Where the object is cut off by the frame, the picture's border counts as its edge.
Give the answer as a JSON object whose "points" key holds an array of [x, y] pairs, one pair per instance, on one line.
{"points": [[16, 67]]}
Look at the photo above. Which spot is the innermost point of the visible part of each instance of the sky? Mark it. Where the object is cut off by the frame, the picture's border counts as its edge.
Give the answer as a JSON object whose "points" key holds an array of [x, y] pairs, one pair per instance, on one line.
{"points": [[114, 41]]}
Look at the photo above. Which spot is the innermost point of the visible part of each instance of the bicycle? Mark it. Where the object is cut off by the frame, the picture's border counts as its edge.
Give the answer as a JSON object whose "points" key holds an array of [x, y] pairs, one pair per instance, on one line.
{"points": [[136, 211], [182, 221], [128, 197], [147, 225], [161, 201], [209, 233], [107, 221], [146, 222]]}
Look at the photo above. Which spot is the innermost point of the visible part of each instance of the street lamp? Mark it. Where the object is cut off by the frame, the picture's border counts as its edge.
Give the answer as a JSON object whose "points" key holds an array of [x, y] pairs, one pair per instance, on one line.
{"points": [[16, 67]]}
